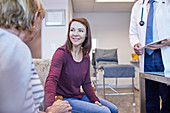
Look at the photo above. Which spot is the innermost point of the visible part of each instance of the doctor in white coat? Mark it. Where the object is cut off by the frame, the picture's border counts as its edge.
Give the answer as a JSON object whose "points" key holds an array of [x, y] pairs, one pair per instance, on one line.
{"points": [[161, 30]]}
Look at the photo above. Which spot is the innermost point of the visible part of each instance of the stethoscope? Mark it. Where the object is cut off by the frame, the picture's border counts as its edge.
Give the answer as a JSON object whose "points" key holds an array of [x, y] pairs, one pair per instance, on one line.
{"points": [[141, 23]]}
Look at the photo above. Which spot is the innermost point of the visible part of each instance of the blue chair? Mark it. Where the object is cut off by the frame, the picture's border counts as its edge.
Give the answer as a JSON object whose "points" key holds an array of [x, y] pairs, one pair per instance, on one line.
{"points": [[106, 60]]}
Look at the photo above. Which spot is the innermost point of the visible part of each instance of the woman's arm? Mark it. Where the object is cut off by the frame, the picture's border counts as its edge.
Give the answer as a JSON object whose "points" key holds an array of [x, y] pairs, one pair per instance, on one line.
{"points": [[53, 76], [87, 86]]}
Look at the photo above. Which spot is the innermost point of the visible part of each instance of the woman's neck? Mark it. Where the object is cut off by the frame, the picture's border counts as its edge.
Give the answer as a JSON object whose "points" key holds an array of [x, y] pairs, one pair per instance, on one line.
{"points": [[77, 53], [76, 50]]}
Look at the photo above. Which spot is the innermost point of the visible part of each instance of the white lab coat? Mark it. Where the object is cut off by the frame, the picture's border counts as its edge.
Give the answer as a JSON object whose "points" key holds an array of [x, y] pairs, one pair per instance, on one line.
{"points": [[137, 33]]}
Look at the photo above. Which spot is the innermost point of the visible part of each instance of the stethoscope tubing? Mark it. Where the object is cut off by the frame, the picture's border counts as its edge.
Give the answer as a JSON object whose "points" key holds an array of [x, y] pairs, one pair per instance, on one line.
{"points": [[141, 23]]}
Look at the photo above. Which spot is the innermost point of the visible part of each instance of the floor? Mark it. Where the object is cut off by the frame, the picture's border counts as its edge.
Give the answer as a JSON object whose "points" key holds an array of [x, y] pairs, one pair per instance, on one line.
{"points": [[123, 102]]}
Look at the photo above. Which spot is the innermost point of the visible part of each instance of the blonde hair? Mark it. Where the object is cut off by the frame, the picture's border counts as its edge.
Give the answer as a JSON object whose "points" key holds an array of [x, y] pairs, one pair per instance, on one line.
{"points": [[20, 13]]}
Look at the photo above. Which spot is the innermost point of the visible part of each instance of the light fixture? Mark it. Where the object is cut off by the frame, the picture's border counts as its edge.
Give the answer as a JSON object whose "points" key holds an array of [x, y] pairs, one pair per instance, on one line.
{"points": [[115, 0]]}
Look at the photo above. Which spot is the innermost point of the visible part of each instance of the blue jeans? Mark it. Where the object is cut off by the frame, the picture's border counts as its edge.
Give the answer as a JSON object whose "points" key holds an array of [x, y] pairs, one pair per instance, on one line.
{"points": [[84, 105], [155, 90]]}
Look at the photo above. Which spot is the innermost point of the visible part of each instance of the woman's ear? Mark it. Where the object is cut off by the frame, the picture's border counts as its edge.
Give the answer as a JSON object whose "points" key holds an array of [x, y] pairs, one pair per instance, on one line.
{"points": [[35, 18]]}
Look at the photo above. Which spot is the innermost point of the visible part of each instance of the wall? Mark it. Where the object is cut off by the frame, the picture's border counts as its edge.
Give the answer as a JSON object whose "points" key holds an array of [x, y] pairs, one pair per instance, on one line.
{"points": [[111, 31], [55, 36]]}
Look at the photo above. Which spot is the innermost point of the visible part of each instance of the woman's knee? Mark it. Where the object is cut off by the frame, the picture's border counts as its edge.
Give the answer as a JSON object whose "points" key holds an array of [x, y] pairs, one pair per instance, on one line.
{"points": [[114, 109], [103, 109]]}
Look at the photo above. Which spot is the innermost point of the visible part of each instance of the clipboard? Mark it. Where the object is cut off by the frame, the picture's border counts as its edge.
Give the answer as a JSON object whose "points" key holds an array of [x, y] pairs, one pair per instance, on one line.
{"points": [[155, 42]]}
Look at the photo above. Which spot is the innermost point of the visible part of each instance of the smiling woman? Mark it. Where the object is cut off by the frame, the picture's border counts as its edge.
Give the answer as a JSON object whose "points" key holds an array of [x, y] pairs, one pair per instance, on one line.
{"points": [[70, 69]]}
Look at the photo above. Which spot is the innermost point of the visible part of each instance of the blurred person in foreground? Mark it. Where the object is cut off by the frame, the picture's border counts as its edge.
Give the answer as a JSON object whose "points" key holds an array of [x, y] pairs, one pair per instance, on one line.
{"points": [[20, 88]]}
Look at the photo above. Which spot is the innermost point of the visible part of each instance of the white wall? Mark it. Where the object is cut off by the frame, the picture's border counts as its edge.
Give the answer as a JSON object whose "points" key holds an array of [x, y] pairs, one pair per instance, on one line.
{"points": [[55, 36], [111, 31]]}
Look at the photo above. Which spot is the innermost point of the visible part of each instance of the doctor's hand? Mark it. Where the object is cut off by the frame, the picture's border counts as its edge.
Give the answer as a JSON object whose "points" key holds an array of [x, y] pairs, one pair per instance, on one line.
{"points": [[138, 49], [162, 44], [59, 106]]}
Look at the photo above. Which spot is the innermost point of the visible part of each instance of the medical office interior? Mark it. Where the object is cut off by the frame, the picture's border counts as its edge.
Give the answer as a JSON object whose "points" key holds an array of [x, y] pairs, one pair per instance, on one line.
{"points": [[109, 23]]}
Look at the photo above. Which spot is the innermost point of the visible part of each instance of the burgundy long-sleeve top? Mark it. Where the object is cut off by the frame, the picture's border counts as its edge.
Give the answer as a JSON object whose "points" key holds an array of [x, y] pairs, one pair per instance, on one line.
{"points": [[66, 76]]}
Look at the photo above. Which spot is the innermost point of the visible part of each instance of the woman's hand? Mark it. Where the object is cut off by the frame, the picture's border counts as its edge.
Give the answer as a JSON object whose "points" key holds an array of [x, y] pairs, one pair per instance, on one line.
{"points": [[98, 103], [138, 49]]}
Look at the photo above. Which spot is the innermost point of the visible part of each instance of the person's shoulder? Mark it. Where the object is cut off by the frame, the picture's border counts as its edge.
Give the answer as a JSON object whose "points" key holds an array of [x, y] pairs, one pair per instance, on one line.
{"points": [[136, 7], [60, 52], [137, 3], [63, 48], [7, 38], [12, 43], [10, 39]]}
